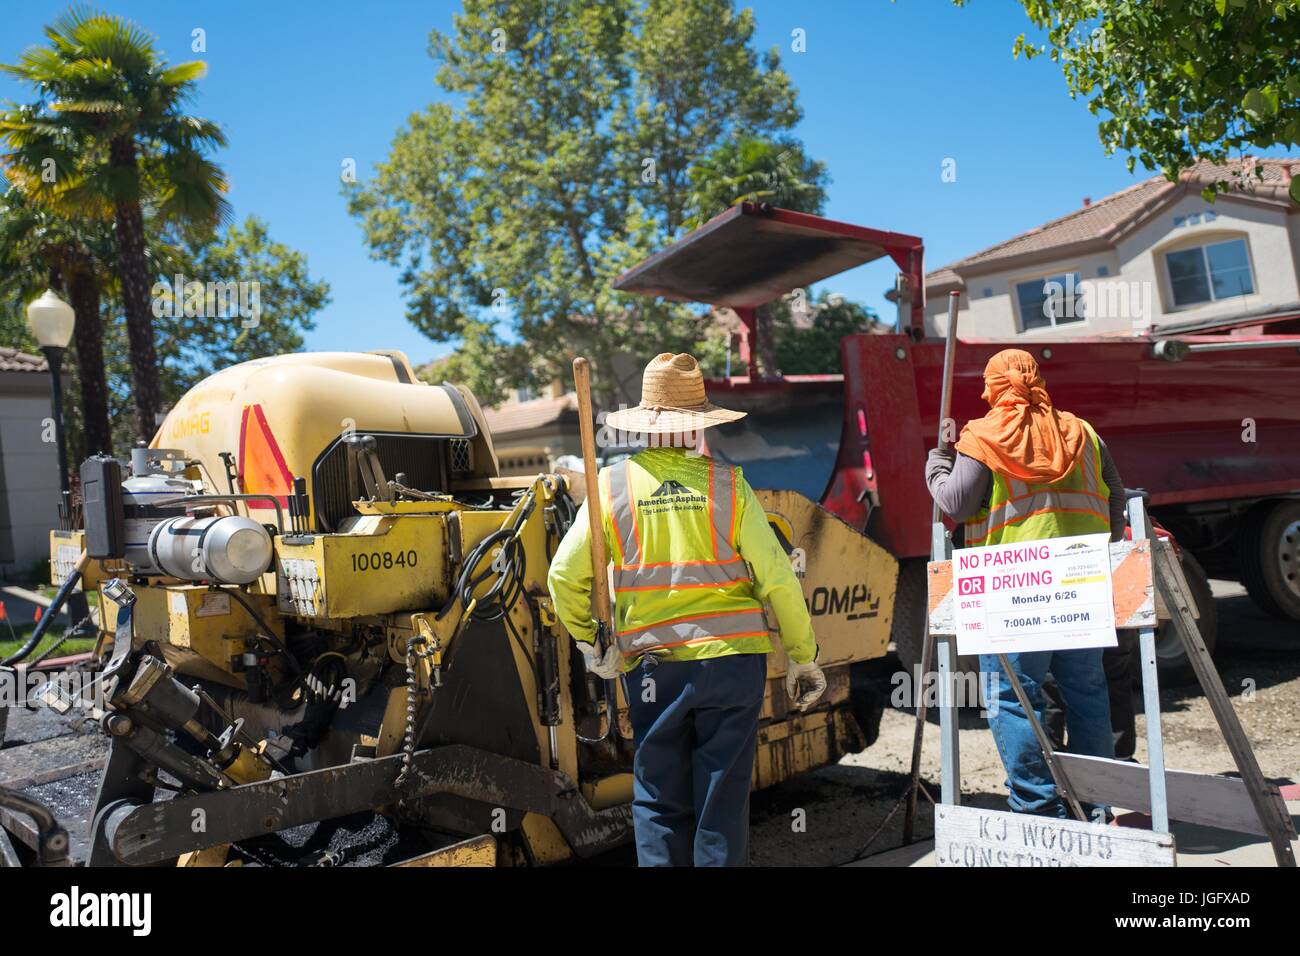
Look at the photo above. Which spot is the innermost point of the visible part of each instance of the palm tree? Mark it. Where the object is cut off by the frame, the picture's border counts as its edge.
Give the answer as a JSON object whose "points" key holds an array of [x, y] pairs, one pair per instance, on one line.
{"points": [[39, 250], [755, 170], [110, 122]]}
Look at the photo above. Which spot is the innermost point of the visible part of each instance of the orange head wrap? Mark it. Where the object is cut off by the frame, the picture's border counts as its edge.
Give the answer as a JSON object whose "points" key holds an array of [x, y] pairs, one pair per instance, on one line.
{"points": [[1022, 436]]}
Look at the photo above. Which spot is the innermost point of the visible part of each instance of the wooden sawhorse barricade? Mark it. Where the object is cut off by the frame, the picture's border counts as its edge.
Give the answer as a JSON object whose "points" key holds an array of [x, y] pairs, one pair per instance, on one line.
{"points": [[1148, 587]]}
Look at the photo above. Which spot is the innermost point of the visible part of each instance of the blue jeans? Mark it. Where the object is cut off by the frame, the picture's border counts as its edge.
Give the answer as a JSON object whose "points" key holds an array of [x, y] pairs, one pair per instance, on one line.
{"points": [[1082, 680], [695, 744]]}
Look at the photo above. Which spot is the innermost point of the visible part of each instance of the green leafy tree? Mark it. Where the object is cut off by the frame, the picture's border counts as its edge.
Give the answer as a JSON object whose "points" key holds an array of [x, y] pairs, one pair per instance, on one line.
{"points": [[1179, 80], [807, 341], [259, 301], [231, 326], [478, 363], [697, 86], [110, 125], [563, 159], [758, 170], [40, 250]]}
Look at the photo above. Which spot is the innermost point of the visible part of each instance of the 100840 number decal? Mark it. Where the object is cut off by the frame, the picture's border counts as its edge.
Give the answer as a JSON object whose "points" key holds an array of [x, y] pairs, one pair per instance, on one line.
{"points": [[383, 560]]}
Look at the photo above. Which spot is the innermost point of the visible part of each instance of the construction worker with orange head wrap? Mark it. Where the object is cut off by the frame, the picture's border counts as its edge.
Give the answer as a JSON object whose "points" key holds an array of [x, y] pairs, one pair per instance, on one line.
{"points": [[1023, 472]]}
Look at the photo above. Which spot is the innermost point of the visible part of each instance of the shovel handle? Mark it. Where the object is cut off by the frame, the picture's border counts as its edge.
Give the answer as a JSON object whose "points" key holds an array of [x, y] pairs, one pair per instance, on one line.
{"points": [[599, 556], [945, 395]]}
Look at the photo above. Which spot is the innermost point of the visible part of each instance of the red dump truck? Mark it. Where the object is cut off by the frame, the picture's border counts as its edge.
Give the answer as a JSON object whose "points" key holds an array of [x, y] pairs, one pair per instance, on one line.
{"points": [[1207, 422]]}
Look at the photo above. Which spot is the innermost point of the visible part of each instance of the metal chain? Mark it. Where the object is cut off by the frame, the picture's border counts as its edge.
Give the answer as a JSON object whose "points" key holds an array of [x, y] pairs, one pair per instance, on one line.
{"points": [[68, 634], [412, 692]]}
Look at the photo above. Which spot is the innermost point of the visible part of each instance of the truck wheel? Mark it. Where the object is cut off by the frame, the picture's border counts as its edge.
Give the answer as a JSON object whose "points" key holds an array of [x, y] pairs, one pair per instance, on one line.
{"points": [[866, 700], [910, 608], [910, 603], [1270, 558], [1171, 657]]}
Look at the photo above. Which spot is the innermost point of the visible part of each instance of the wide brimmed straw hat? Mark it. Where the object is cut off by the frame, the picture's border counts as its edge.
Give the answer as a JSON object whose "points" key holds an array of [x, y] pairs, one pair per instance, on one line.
{"points": [[672, 400]]}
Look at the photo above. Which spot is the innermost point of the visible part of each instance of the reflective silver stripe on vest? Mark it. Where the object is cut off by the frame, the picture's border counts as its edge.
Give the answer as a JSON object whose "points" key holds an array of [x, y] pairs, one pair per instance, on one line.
{"points": [[1042, 501], [1092, 467], [722, 491], [673, 633], [681, 575], [621, 512]]}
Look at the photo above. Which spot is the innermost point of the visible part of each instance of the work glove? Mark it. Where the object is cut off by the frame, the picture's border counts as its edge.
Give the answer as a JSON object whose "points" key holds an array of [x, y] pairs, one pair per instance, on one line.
{"points": [[811, 676], [606, 666]]}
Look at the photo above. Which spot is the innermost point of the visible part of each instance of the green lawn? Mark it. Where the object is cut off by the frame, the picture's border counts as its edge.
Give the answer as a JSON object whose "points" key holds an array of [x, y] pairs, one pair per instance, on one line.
{"points": [[10, 641]]}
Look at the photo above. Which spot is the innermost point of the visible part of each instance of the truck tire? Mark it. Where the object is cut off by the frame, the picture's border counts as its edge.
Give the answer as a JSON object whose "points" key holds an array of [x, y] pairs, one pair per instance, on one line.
{"points": [[866, 700], [910, 604], [1270, 558], [910, 610], [1172, 664]]}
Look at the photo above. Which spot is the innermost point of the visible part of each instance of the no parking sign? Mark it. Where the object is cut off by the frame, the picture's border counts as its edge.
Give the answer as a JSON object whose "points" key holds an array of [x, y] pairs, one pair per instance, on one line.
{"points": [[1052, 594]]}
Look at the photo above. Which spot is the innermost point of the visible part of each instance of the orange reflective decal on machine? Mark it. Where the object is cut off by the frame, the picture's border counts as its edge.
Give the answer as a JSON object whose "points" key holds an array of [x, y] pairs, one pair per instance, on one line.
{"points": [[262, 469]]}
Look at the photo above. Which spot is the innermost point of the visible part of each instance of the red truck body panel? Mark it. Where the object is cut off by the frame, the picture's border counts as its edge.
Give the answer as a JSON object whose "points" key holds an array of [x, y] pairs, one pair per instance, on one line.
{"points": [[1216, 425]]}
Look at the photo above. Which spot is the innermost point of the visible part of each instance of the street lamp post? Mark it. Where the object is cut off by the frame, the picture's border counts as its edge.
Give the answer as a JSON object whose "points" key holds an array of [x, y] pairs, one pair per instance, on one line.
{"points": [[51, 320]]}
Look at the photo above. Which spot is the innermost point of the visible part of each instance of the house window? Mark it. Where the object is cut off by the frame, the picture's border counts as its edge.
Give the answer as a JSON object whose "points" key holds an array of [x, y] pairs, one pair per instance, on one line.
{"points": [[1050, 301], [1208, 273]]}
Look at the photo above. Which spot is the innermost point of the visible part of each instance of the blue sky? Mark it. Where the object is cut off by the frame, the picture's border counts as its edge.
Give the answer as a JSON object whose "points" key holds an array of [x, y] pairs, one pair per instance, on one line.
{"points": [[890, 91]]}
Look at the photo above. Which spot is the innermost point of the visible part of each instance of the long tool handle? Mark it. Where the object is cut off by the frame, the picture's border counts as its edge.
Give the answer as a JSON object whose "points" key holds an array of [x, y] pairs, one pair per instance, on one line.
{"points": [[599, 557], [938, 549], [945, 395]]}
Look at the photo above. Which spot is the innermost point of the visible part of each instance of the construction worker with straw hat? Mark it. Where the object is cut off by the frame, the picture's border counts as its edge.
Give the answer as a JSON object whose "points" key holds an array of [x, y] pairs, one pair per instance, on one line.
{"points": [[1023, 472], [694, 561]]}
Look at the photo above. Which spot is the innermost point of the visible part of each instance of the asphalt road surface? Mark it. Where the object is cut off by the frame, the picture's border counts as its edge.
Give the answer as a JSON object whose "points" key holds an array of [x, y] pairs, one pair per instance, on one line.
{"points": [[829, 816]]}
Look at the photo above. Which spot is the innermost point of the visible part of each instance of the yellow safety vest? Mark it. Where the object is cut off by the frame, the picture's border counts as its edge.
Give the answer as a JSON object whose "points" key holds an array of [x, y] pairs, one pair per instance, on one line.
{"points": [[681, 589], [1077, 503]]}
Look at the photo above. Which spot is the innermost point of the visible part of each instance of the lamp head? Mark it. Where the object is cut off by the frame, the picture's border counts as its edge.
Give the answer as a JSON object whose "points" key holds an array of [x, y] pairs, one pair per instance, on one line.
{"points": [[51, 320]]}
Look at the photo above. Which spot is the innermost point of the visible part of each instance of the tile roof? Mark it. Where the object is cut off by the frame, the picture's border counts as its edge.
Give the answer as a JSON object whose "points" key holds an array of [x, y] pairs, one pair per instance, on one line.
{"points": [[12, 360], [1104, 221], [524, 416]]}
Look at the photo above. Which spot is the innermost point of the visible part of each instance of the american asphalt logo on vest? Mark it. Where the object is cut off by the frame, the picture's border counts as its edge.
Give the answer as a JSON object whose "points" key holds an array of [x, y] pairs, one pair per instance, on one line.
{"points": [[672, 495], [671, 487]]}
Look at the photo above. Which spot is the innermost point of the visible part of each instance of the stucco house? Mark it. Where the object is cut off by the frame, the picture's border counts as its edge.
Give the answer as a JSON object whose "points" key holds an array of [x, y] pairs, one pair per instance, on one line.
{"points": [[1154, 255], [29, 464]]}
